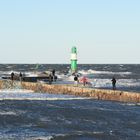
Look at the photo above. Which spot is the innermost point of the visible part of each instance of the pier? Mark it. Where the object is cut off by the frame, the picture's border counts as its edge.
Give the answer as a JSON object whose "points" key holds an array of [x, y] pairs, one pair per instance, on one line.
{"points": [[99, 94]]}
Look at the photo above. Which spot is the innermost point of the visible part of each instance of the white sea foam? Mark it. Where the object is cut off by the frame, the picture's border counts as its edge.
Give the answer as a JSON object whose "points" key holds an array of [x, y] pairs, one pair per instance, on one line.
{"points": [[41, 99], [100, 82], [103, 83], [8, 72], [131, 104], [90, 71], [79, 133], [29, 74], [41, 138], [120, 83], [16, 91], [7, 113], [36, 96]]}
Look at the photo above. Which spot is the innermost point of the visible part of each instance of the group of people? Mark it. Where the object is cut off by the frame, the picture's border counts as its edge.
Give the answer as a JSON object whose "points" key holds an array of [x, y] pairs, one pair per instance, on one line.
{"points": [[84, 80], [51, 78], [13, 75]]}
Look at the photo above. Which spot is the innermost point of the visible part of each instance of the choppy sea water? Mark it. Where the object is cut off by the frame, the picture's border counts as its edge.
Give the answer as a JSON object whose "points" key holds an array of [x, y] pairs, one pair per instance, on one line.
{"points": [[34, 116]]}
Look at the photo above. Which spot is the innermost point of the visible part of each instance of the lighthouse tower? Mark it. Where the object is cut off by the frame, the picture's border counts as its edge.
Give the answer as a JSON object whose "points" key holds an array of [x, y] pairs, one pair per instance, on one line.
{"points": [[73, 60]]}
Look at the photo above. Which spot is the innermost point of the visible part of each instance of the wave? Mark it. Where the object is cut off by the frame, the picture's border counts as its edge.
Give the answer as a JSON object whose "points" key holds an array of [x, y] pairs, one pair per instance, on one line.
{"points": [[37, 96], [7, 113], [120, 82], [8, 73], [71, 135], [16, 91], [62, 75], [41, 138], [90, 71], [131, 104], [41, 99], [78, 134]]}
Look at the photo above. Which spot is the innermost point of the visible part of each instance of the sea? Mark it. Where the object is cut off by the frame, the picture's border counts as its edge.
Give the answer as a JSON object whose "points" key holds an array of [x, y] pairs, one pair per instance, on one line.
{"points": [[25, 115]]}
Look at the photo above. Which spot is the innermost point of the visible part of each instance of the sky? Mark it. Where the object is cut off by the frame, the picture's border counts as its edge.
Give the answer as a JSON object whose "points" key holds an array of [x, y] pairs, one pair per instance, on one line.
{"points": [[44, 31]]}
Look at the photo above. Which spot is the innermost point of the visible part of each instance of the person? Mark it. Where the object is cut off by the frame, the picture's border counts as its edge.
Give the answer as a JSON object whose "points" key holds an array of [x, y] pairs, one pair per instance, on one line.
{"points": [[20, 76], [50, 79], [76, 80], [113, 83], [84, 79], [12, 76], [53, 74]]}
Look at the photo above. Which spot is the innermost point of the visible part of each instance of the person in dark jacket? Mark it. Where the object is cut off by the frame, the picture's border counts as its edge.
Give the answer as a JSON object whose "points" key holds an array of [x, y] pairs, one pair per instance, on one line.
{"points": [[113, 83], [76, 80], [20, 77], [53, 74], [50, 79], [12, 76]]}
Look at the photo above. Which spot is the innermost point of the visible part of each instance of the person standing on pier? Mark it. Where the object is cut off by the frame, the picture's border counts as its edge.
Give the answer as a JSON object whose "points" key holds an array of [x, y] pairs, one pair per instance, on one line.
{"points": [[12, 76], [113, 83], [20, 77], [50, 78], [76, 80], [84, 80], [53, 74]]}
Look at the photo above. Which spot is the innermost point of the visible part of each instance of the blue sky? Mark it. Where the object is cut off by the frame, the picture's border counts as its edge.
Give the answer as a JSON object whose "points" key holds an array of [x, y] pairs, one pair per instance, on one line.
{"points": [[43, 31]]}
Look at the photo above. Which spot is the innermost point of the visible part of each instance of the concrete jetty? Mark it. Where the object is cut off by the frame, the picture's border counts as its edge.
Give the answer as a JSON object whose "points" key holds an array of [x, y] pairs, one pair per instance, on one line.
{"points": [[100, 94]]}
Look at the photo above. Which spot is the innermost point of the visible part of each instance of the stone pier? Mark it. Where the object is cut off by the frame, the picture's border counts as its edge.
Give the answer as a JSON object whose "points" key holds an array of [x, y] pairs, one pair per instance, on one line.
{"points": [[100, 94]]}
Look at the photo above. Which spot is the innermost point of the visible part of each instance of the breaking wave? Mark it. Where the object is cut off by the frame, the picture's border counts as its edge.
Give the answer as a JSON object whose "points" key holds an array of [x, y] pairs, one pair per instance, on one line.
{"points": [[16, 95], [90, 71]]}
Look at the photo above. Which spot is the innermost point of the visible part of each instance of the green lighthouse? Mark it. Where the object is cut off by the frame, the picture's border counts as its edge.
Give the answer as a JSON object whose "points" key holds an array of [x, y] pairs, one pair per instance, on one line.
{"points": [[73, 60]]}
